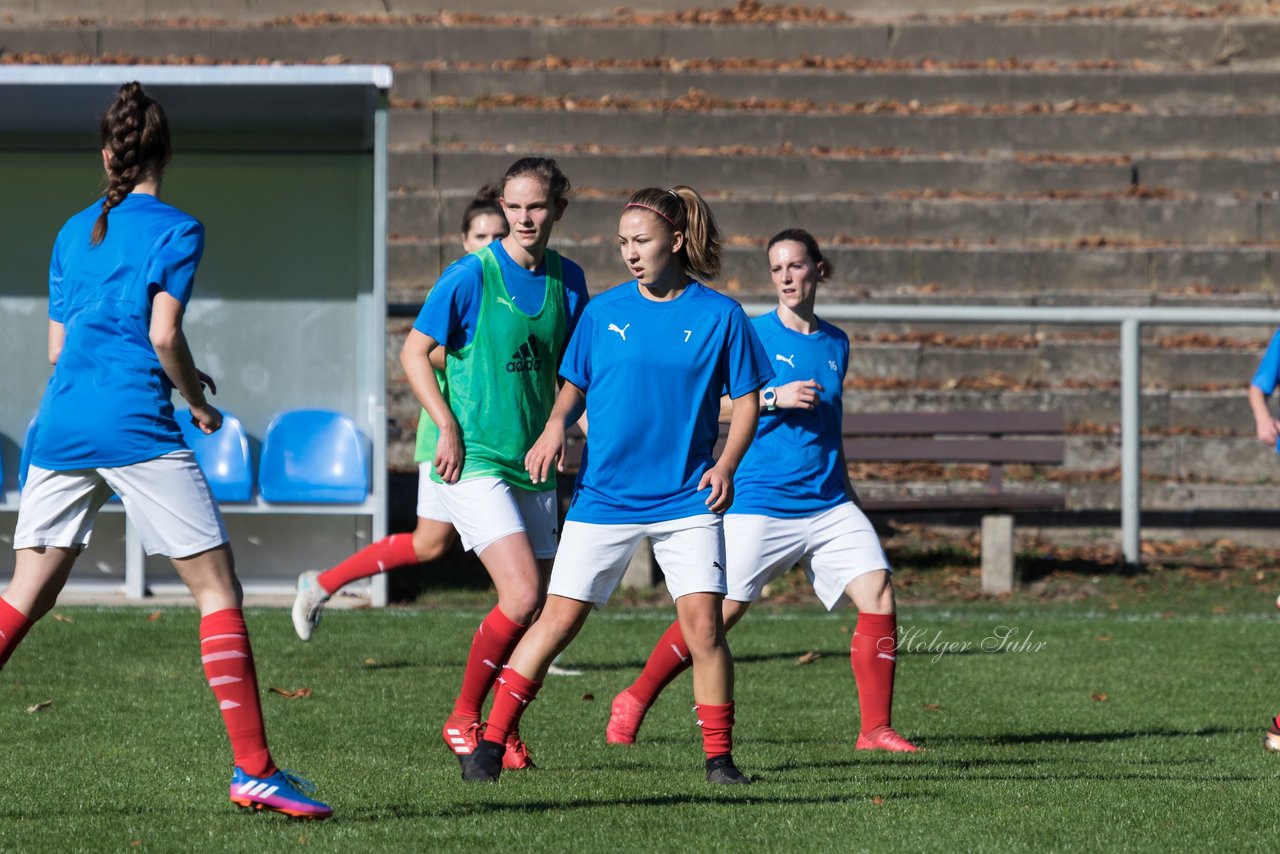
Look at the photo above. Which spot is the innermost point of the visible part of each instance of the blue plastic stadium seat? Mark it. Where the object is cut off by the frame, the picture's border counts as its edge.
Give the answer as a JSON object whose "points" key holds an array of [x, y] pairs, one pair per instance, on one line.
{"points": [[223, 456], [24, 460], [312, 456]]}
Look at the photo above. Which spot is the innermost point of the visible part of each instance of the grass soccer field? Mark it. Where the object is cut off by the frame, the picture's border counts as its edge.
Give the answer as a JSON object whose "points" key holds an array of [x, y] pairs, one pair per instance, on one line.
{"points": [[1093, 725]]}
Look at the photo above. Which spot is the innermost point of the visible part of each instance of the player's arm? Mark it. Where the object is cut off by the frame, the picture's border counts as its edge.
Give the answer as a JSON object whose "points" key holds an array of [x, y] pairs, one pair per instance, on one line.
{"points": [[1268, 428], [57, 337], [175, 358], [570, 405], [415, 357], [800, 394], [438, 357], [742, 429]]}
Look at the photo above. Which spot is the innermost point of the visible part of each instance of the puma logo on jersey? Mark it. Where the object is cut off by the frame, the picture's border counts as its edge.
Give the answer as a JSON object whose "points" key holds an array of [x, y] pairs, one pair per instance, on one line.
{"points": [[613, 327], [510, 305], [790, 360], [525, 358]]}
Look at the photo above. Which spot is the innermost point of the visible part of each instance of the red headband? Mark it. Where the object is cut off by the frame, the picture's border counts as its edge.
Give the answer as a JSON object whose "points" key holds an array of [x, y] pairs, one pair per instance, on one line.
{"points": [[648, 208]]}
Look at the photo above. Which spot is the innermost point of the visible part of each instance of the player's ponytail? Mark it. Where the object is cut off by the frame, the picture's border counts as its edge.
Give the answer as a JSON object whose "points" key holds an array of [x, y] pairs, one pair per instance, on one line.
{"points": [[546, 170], [682, 209], [799, 235], [135, 135]]}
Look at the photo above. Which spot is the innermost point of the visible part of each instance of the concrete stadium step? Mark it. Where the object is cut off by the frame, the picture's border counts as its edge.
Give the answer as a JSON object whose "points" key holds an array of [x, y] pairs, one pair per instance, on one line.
{"points": [[1193, 41], [1009, 220], [1157, 89], [450, 168], [414, 264], [1069, 132]]}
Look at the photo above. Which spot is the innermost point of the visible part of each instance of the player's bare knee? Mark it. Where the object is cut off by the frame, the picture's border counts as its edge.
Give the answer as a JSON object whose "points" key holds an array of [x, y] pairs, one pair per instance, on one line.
{"points": [[428, 547]]}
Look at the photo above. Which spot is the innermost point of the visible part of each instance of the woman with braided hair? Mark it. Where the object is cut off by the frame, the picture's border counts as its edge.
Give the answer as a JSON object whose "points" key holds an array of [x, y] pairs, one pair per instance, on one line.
{"points": [[119, 281]]}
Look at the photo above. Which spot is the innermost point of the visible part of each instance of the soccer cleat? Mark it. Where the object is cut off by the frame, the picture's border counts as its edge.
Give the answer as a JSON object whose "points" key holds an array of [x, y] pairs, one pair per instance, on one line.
{"points": [[516, 757], [722, 772], [884, 738], [1272, 739], [625, 716], [278, 792], [461, 736], [308, 604], [484, 764]]}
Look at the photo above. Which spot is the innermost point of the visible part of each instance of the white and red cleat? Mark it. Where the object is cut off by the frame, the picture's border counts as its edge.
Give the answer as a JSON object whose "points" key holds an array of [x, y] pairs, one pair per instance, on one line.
{"points": [[885, 738], [461, 736], [516, 757], [1272, 740], [625, 716]]}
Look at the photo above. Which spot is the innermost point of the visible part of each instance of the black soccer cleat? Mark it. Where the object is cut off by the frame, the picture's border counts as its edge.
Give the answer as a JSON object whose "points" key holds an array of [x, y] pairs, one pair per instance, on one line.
{"points": [[484, 763], [722, 772]]}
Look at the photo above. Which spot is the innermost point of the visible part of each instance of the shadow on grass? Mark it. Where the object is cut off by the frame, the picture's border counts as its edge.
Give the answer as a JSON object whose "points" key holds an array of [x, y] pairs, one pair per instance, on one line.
{"points": [[1070, 736]]}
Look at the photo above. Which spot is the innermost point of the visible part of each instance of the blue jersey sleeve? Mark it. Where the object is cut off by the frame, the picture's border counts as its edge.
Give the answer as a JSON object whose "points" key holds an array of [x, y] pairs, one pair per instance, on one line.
{"points": [[57, 302], [173, 262], [452, 308], [746, 362], [575, 296], [1268, 373], [575, 367]]}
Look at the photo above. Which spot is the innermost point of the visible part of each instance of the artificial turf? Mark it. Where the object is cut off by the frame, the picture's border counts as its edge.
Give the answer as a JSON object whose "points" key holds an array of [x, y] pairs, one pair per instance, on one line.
{"points": [[1131, 726]]}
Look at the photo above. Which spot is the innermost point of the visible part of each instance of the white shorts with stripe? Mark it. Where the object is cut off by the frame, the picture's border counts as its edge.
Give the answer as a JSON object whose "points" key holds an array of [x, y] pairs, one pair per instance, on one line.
{"points": [[833, 547], [486, 509], [429, 504], [167, 500], [593, 558]]}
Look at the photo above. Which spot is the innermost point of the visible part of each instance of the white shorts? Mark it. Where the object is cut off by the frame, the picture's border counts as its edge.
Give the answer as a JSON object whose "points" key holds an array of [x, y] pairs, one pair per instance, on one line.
{"points": [[834, 547], [486, 509], [429, 504], [593, 558], [167, 500]]}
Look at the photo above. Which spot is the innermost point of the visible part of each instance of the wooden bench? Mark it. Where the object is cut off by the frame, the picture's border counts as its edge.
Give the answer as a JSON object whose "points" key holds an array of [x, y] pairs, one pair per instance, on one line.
{"points": [[994, 439]]}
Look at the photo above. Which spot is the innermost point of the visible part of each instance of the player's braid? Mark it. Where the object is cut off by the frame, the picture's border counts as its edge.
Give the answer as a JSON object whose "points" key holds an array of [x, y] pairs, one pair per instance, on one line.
{"points": [[135, 134]]}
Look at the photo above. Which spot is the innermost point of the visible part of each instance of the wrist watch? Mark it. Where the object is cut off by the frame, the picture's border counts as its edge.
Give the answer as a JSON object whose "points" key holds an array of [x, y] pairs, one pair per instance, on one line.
{"points": [[770, 398]]}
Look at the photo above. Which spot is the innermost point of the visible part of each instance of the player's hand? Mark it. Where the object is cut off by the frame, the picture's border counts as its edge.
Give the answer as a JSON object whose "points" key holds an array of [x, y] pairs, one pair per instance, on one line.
{"points": [[801, 394], [548, 450], [207, 418], [721, 489], [450, 454], [1268, 430]]}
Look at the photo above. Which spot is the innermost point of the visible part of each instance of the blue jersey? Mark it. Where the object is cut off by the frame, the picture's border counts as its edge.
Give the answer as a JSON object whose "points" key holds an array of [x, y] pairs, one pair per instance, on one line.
{"points": [[1268, 373], [793, 467], [450, 312], [107, 403], [653, 373]]}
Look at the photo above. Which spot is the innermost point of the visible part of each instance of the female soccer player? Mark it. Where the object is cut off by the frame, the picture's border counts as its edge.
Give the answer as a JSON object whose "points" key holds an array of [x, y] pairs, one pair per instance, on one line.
{"points": [[120, 277], [794, 503], [504, 313], [482, 223], [1264, 383], [649, 361]]}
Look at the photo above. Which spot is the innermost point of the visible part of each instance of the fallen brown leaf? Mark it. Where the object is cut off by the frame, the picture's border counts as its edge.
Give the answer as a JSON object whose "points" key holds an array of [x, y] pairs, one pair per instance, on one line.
{"points": [[297, 694], [1100, 698], [369, 662], [1103, 638], [39, 707], [878, 801], [932, 707], [587, 698], [153, 616], [808, 658], [62, 618]]}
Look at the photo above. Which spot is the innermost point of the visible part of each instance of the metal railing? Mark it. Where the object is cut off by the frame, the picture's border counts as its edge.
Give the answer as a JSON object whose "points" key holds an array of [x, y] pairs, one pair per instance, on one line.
{"points": [[1130, 321]]}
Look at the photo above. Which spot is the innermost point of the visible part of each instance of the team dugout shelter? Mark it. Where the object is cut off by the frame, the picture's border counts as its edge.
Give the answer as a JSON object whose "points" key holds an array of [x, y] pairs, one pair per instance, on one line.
{"points": [[286, 166]]}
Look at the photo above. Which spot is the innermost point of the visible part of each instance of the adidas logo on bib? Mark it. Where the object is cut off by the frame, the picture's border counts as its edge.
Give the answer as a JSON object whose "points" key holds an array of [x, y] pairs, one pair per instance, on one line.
{"points": [[526, 358]]}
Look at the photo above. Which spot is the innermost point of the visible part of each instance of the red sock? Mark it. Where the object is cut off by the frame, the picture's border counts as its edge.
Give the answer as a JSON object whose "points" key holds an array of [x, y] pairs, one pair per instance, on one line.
{"points": [[512, 697], [874, 653], [14, 626], [717, 728], [668, 660], [490, 649], [383, 556], [228, 665]]}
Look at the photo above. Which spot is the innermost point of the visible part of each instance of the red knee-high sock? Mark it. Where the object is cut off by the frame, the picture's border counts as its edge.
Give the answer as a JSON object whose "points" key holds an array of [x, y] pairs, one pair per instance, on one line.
{"points": [[874, 654], [14, 626], [228, 665], [383, 556], [513, 695], [717, 728], [490, 648], [668, 660]]}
